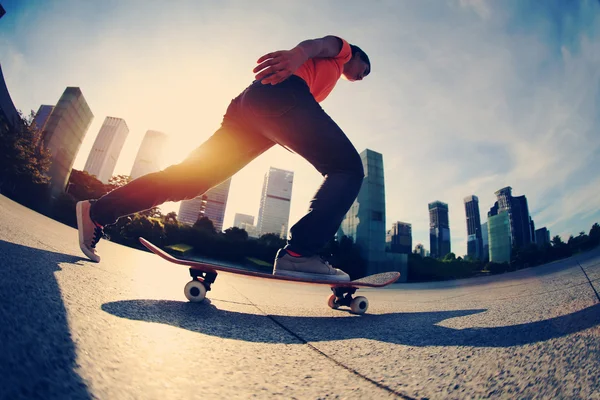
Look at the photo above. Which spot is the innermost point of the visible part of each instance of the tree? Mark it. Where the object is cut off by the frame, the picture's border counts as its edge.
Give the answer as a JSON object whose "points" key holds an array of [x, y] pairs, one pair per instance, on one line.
{"points": [[595, 234], [204, 224], [235, 234], [117, 181], [25, 161], [449, 257], [557, 241]]}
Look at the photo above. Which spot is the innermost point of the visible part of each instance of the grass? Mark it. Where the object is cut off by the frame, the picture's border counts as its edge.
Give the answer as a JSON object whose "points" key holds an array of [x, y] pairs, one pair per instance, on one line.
{"points": [[258, 262], [180, 248]]}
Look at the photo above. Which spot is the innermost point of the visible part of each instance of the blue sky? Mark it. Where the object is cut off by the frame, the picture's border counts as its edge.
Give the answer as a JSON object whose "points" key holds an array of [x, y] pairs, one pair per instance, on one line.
{"points": [[465, 96]]}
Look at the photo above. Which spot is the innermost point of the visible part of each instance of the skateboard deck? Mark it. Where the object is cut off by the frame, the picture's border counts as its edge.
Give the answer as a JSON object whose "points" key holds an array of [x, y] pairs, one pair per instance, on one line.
{"points": [[204, 274]]}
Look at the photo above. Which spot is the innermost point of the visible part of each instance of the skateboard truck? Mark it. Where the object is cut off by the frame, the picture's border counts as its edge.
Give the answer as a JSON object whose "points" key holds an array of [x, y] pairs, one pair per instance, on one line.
{"points": [[342, 296]]}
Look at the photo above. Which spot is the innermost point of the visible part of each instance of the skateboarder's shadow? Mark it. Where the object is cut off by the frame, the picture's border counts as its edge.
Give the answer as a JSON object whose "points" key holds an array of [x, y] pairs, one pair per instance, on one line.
{"points": [[411, 328]]}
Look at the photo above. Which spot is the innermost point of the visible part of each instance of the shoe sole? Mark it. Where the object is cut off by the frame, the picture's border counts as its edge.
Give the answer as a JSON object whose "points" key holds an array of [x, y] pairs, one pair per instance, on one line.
{"points": [[307, 276], [79, 212]]}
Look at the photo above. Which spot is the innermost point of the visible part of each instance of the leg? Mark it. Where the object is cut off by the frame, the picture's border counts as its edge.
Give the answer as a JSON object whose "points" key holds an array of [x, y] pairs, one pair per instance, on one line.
{"points": [[289, 115], [220, 157]]}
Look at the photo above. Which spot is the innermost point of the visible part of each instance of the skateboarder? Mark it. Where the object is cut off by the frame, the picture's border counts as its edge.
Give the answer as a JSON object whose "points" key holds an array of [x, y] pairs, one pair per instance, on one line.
{"points": [[280, 107]]}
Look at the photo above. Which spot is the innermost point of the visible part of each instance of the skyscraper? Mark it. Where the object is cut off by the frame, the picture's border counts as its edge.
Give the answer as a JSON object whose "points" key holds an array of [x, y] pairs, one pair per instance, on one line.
{"points": [[518, 214], [107, 147], [399, 238], [41, 117], [542, 237], [439, 229], [420, 250], [211, 205], [486, 242], [365, 221], [240, 219], [499, 236], [63, 133], [8, 111], [474, 236], [149, 156], [274, 211]]}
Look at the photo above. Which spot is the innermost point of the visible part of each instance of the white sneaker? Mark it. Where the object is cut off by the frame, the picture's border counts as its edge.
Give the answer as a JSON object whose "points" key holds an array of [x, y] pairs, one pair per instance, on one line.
{"points": [[89, 233], [307, 268]]}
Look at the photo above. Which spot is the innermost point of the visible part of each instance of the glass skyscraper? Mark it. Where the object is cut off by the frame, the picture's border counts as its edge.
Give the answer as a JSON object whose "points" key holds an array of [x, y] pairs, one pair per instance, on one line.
{"points": [[439, 229], [474, 236], [518, 215], [399, 238], [211, 205], [274, 211], [149, 156], [63, 133], [365, 221], [108, 145], [499, 237]]}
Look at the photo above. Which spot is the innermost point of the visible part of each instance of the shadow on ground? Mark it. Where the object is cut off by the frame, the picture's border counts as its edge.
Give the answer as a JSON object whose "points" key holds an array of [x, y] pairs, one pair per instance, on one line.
{"points": [[412, 329], [37, 354]]}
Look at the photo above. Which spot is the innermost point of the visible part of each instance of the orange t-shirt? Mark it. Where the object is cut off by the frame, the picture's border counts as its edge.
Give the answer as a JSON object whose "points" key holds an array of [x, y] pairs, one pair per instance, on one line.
{"points": [[321, 74]]}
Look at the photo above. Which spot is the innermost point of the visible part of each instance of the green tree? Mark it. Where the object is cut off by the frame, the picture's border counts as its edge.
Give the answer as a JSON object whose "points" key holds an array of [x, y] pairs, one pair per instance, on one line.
{"points": [[449, 257], [595, 235], [235, 234], [204, 224]]}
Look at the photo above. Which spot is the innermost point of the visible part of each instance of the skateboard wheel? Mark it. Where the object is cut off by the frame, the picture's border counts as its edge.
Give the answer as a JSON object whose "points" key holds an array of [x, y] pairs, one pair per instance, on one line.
{"points": [[359, 305], [195, 291], [332, 303]]}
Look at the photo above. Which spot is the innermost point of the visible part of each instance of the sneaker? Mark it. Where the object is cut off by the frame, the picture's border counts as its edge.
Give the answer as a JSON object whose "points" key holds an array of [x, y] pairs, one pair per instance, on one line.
{"points": [[307, 268], [89, 232]]}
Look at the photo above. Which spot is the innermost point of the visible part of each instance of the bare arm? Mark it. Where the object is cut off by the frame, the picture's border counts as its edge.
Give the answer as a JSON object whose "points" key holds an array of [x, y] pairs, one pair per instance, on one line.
{"points": [[278, 66]]}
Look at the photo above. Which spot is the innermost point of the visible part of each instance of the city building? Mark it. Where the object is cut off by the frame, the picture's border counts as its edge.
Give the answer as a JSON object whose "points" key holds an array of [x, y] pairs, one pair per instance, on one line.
{"points": [[485, 241], [365, 221], [518, 214], [499, 237], [420, 250], [62, 135], [399, 238], [149, 156], [211, 205], [106, 149], [474, 234], [276, 197], [542, 237], [439, 229], [240, 219], [41, 117], [8, 111]]}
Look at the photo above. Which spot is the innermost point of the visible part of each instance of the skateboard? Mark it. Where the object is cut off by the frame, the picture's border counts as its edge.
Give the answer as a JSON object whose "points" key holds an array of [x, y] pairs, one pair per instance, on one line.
{"points": [[204, 275]]}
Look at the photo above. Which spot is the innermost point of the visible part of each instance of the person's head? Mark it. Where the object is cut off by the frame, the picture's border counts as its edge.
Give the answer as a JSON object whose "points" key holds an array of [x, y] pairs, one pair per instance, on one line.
{"points": [[359, 65]]}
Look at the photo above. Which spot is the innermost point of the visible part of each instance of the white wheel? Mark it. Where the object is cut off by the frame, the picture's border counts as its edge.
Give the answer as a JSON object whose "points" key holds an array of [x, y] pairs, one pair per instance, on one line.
{"points": [[195, 291], [359, 305], [331, 302]]}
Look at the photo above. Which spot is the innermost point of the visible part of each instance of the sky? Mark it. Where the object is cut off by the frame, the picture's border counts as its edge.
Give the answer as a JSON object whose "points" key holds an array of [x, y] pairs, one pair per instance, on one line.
{"points": [[464, 97]]}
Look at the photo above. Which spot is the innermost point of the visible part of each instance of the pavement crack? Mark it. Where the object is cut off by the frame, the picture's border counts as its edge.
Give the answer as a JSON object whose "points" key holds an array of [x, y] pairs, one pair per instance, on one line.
{"points": [[333, 360], [589, 281]]}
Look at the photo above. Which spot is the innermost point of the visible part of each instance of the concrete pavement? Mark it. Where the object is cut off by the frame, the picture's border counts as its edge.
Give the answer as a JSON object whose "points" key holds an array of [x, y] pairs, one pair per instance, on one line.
{"points": [[122, 329]]}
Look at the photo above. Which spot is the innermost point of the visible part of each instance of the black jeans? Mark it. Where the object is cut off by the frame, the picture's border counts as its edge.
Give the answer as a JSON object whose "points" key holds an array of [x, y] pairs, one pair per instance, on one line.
{"points": [[261, 116]]}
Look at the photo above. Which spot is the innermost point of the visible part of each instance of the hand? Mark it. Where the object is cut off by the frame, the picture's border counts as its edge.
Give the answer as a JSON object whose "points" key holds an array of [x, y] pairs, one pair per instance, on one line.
{"points": [[278, 66]]}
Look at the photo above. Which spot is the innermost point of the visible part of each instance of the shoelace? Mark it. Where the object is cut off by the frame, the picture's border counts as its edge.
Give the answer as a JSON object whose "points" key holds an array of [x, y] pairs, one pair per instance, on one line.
{"points": [[98, 234]]}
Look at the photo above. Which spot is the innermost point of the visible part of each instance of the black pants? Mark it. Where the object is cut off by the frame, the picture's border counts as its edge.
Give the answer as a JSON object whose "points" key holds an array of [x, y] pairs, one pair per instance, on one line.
{"points": [[263, 115]]}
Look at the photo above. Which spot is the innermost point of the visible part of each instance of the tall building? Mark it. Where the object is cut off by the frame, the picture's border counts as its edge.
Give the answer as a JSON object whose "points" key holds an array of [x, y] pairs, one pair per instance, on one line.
{"points": [[149, 156], [274, 212], [365, 221], [108, 145], [8, 111], [2, 11], [399, 238], [474, 234], [41, 117], [486, 242], [240, 219], [542, 236], [420, 250], [63, 133], [211, 205], [499, 236], [439, 229], [518, 214]]}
